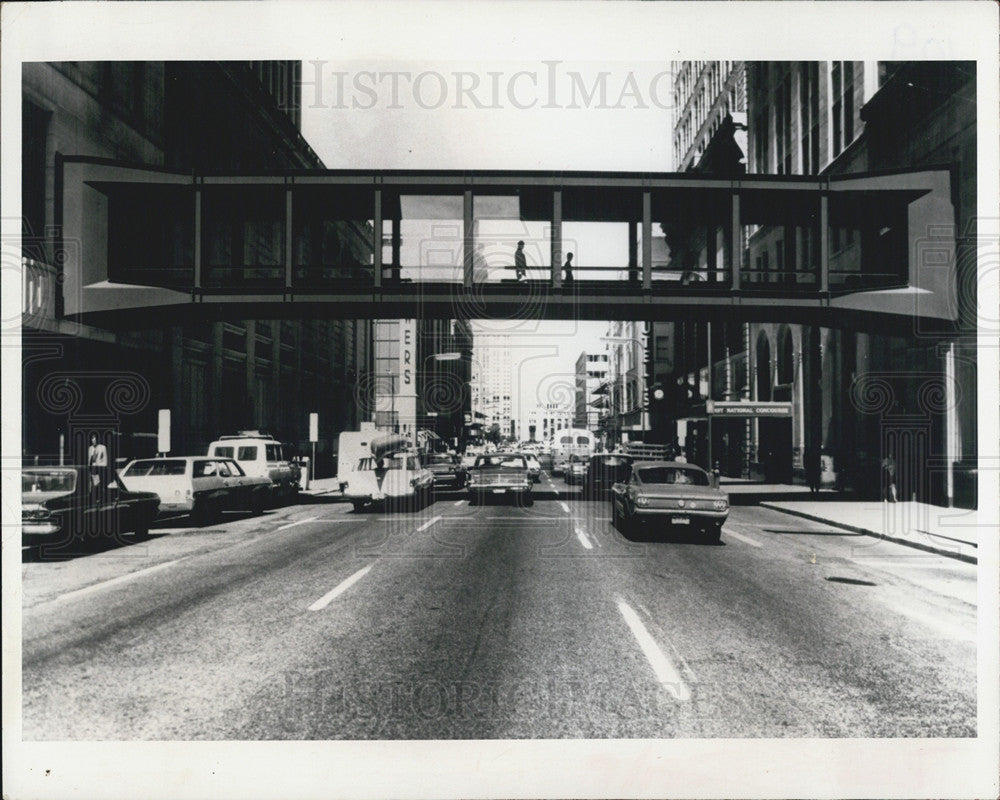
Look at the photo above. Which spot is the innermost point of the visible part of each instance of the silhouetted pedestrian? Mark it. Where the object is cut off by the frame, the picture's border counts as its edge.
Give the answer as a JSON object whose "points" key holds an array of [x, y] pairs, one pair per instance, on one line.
{"points": [[520, 262], [568, 268]]}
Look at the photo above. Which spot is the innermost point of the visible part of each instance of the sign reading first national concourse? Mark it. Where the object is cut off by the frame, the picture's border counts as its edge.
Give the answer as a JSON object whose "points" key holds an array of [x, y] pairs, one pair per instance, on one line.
{"points": [[148, 246], [740, 409]]}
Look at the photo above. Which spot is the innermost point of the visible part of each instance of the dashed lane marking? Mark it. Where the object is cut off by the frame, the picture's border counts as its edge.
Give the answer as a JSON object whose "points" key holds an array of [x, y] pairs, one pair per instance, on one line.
{"points": [[429, 522], [742, 538], [293, 524], [114, 581], [459, 502], [564, 506], [666, 672], [340, 588], [583, 539]]}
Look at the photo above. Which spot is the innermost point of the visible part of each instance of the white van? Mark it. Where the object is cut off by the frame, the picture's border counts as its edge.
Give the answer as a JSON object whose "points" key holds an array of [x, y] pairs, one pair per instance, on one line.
{"points": [[260, 454]]}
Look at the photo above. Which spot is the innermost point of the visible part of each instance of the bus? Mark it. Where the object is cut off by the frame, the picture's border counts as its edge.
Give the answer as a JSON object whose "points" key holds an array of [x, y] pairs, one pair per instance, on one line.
{"points": [[569, 442]]}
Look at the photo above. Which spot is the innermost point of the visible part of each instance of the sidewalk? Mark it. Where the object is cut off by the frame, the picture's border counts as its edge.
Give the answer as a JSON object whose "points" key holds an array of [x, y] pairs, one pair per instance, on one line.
{"points": [[323, 487], [952, 532]]}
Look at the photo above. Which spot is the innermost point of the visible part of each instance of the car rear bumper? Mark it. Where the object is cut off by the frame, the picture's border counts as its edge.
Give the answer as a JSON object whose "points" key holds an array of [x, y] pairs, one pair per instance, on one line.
{"points": [[675, 515]]}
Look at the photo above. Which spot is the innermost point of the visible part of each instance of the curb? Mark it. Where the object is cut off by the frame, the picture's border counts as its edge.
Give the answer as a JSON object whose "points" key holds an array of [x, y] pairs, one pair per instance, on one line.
{"points": [[855, 529]]}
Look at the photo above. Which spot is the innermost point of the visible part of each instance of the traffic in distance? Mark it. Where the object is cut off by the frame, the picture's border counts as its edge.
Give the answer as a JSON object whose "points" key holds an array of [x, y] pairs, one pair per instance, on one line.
{"points": [[248, 472]]}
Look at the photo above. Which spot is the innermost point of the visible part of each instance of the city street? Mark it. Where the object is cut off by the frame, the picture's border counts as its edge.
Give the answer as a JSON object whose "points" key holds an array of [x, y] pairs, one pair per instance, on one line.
{"points": [[316, 622]]}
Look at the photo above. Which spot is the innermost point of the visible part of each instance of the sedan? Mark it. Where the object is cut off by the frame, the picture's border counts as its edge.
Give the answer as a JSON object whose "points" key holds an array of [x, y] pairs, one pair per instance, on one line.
{"points": [[576, 469], [671, 492], [447, 470], [202, 486], [59, 504], [500, 474], [605, 470]]}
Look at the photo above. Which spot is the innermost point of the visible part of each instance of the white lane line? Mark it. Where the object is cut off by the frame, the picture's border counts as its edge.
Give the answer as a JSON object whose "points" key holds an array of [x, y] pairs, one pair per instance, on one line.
{"points": [[459, 502], [341, 587], [293, 524], [120, 579], [583, 539], [742, 538], [329, 519], [564, 506], [666, 672], [427, 524]]}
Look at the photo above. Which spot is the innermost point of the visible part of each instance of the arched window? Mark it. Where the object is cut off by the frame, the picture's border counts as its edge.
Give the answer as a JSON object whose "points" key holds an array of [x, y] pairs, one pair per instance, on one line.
{"points": [[763, 368]]}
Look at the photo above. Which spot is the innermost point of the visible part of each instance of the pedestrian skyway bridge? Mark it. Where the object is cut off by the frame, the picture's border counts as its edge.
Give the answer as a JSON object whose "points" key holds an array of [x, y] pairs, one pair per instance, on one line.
{"points": [[144, 246]]}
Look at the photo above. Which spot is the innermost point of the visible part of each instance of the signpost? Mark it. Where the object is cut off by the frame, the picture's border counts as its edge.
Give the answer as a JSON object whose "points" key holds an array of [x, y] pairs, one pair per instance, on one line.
{"points": [[313, 438], [737, 409]]}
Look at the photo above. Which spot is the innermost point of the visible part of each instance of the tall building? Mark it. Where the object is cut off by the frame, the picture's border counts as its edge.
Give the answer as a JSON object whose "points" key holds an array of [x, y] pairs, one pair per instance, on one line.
{"points": [[444, 375], [492, 383], [591, 372], [214, 377], [706, 93], [835, 118], [625, 417]]}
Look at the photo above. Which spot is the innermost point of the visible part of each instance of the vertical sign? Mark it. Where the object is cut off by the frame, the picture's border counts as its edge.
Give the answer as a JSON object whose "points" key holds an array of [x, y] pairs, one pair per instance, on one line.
{"points": [[163, 431], [314, 428]]}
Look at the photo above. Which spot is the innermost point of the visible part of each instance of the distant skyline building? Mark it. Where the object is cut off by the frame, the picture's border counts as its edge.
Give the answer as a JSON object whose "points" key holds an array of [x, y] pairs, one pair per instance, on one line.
{"points": [[492, 382]]}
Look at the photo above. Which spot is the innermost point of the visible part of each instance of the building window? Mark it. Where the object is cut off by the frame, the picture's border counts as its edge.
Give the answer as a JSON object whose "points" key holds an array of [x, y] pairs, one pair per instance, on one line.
{"points": [[809, 117], [842, 80]]}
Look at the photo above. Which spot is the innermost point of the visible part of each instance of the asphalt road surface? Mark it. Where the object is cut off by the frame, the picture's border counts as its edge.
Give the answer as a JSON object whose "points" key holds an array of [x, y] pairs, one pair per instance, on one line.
{"points": [[495, 621]]}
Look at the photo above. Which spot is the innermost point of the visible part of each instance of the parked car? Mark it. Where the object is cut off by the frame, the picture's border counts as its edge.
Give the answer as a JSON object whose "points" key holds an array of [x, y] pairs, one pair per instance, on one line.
{"points": [[261, 455], [59, 504], [447, 470], [201, 486], [500, 474], [576, 469], [677, 494], [605, 470]]}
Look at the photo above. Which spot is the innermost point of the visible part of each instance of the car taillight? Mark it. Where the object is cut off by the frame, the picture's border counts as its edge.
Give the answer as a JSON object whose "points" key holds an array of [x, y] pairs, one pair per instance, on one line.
{"points": [[642, 500], [720, 504]]}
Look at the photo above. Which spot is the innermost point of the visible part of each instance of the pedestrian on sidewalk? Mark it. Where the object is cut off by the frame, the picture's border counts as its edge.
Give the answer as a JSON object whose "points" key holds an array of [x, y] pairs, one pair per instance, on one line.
{"points": [[889, 479], [814, 468], [568, 269]]}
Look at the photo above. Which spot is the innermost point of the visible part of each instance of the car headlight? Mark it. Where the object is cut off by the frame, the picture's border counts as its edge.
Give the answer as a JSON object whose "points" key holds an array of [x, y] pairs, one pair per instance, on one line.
{"points": [[641, 500], [720, 504]]}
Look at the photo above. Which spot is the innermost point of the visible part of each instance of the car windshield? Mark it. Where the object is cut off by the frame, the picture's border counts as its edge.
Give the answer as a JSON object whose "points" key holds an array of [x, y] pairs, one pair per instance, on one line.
{"points": [[153, 468], [673, 475], [441, 459], [48, 480], [502, 461]]}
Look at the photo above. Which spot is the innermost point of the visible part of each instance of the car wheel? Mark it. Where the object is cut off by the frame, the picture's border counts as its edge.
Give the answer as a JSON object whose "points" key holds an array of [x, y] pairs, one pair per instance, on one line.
{"points": [[715, 533], [529, 500], [358, 506], [204, 512], [473, 500], [257, 505], [142, 528], [615, 517]]}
